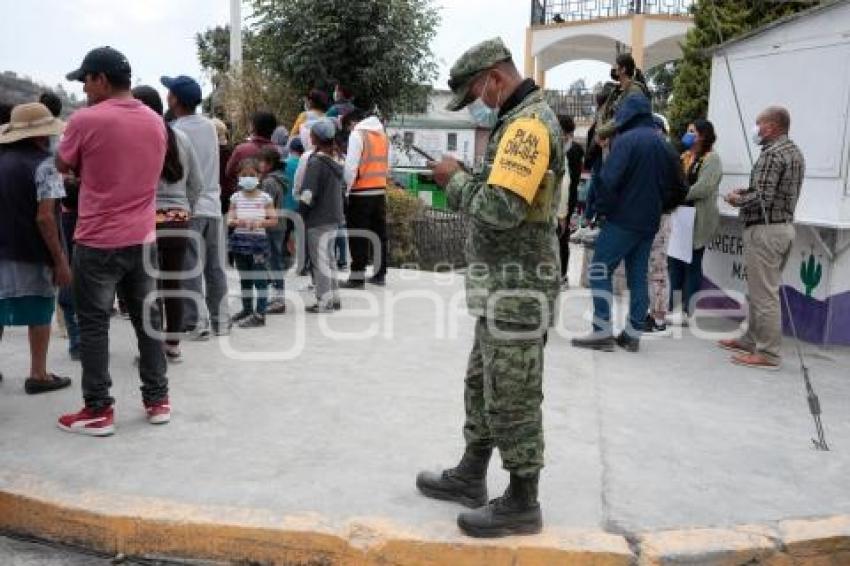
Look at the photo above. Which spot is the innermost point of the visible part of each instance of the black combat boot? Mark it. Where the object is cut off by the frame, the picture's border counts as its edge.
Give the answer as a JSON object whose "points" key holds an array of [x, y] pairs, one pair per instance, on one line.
{"points": [[595, 341], [517, 512], [466, 484], [628, 342]]}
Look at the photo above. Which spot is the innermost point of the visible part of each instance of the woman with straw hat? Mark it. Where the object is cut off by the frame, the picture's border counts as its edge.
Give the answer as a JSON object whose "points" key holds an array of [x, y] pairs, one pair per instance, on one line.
{"points": [[32, 259]]}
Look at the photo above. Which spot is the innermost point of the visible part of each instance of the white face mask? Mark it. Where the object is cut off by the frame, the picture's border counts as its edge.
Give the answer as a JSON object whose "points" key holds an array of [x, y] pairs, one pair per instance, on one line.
{"points": [[248, 183], [568, 144], [756, 137], [482, 114]]}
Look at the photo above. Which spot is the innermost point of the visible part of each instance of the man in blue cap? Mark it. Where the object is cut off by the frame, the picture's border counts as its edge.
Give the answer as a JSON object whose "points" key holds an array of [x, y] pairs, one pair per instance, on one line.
{"points": [[184, 96]]}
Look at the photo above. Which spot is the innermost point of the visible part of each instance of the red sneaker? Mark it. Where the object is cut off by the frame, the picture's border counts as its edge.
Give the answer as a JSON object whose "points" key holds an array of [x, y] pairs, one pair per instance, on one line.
{"points": [[755, 361], [158, 412], [90, 422]]}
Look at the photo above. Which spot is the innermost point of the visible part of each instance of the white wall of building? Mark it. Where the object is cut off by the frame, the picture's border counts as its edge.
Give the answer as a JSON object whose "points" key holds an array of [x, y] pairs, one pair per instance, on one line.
{"points": [[435, 142], [436, 131]]}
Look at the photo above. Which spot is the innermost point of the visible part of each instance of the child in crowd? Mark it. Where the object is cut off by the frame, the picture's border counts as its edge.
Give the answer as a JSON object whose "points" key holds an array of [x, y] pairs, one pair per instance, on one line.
{"points": [[251, 212], [290, 202], [321, 206], [274, 183]]}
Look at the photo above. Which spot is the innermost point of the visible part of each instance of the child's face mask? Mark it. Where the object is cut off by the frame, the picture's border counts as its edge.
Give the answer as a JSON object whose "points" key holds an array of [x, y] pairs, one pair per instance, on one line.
{"points": [[248, 183]]}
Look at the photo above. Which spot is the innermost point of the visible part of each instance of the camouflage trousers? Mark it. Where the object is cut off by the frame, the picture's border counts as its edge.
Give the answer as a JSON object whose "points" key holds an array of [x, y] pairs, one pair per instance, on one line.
{"points": [[659, 280], [503, 395]]}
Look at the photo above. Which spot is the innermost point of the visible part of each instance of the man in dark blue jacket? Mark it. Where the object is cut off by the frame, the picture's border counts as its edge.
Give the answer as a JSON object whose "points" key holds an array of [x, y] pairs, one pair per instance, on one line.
{"points": [[630, 191]]}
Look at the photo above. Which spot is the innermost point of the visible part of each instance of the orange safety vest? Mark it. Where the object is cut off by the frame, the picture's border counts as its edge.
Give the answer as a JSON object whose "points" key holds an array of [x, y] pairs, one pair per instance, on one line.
{"points": [[374, 162]]}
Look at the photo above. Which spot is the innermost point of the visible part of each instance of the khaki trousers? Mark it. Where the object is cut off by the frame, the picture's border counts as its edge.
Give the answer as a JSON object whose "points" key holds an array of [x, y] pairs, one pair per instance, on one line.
{"points": [[766, 250]]}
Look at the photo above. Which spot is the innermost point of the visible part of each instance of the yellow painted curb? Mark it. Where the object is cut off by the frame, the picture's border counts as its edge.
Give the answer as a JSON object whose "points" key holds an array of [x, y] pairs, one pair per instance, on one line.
{"points": [[139, 527]]}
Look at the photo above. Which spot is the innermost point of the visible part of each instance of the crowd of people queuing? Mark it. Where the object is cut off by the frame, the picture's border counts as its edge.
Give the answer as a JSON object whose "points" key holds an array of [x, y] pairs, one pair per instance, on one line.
{"points": [[133, 181], [136, 197], [636, 183]]}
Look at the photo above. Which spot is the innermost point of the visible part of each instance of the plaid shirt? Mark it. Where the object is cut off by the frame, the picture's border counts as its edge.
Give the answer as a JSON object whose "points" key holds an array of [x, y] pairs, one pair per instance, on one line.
{"points": [[776, 180]]}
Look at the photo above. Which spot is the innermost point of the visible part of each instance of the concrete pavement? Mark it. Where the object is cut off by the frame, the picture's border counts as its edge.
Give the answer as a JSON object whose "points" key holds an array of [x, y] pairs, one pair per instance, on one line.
{"points": [[665, 456]]}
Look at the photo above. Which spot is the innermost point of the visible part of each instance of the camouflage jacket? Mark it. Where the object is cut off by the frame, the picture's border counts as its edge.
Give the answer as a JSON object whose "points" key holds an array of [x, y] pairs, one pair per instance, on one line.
{"points": [[605, 127], [512, 248]]}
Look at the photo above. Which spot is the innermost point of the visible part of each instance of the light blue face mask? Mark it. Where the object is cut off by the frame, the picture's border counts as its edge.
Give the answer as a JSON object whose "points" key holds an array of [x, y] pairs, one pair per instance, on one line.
{"points": [[248, 183], [688, 140], [482, 114]]}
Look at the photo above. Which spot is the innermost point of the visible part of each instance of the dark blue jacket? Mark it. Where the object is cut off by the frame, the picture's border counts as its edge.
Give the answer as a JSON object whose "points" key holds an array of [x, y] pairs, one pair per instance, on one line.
{"points": [[631, 183]]}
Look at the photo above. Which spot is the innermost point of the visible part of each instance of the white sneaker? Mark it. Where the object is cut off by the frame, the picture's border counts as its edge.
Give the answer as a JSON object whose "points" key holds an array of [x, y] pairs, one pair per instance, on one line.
{"points": [[577, 236], [677, 319], [200, 333], [589, 236]]}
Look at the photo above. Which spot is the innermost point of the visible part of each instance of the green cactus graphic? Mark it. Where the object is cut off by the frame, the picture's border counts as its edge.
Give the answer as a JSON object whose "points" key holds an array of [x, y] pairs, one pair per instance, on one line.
{"points": [[810, 274]]}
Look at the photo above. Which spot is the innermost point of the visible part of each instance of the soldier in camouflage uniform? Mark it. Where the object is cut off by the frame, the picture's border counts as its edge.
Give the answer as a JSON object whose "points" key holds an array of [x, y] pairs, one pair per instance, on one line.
{"points": [[511, 284], [629, 82]]}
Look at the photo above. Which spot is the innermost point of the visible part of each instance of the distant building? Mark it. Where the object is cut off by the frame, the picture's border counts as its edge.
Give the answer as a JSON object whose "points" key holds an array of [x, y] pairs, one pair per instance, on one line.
{"points": [[437, 132]]}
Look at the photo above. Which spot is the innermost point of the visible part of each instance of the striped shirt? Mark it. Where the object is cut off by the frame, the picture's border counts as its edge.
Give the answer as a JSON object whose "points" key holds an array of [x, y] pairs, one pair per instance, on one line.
{"points": [[251, 207], [775, 181]]}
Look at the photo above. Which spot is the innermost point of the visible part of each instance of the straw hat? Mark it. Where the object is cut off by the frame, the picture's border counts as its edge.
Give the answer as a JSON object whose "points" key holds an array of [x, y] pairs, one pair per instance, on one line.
{"points": [[31, 120]]}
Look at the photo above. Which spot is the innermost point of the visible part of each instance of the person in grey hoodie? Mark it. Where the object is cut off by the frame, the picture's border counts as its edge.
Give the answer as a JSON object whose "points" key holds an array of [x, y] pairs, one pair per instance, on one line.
{"points": [[320, 204], [176, 195], [184, 96], [276, 185]]}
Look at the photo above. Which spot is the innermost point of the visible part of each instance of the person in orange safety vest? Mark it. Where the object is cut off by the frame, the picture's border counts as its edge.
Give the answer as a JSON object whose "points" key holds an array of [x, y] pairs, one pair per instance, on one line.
{"points": [[366, 174]]}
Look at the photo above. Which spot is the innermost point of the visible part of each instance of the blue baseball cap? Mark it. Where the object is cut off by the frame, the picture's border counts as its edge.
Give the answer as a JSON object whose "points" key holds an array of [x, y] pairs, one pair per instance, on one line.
{"points": [[296, 145], [185, 89]]}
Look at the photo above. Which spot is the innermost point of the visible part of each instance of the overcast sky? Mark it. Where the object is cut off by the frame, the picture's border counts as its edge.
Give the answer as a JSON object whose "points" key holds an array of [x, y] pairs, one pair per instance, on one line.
{"points": [[45, 39]]}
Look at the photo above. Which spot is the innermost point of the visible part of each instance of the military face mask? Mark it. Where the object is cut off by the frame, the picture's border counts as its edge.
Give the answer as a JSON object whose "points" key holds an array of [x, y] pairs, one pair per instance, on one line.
{"points": [[482, 114]]}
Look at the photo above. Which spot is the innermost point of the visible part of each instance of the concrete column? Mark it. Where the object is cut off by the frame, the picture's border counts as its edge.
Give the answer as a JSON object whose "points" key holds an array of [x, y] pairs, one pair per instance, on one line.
{"points": [[540, 75], [529, 58], [235, 33], [638, 39]]}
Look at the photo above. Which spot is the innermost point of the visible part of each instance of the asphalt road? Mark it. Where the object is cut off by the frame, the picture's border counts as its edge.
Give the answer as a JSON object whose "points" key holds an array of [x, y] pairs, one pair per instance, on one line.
{"points": [[17, 552]]}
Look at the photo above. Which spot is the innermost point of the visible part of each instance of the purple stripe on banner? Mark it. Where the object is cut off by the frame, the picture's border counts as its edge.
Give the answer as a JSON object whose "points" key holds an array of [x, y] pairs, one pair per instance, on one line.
{"points": [[818, 322]]}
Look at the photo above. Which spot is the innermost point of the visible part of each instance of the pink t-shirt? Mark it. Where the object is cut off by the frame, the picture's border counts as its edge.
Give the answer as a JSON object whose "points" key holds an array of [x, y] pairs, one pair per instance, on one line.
{"points": [[118, 148]]}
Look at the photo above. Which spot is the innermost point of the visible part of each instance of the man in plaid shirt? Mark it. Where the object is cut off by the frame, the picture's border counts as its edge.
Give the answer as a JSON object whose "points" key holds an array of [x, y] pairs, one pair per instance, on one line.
{"points": [[767, 210]]}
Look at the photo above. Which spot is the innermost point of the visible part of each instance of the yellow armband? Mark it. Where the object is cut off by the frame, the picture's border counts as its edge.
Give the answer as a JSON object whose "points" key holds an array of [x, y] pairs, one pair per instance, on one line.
{"points": [[522, 158]]}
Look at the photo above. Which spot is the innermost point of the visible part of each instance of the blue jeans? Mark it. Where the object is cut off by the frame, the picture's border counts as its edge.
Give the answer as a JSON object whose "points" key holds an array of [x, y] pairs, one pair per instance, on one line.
{"points": [[276, 259], [616, 244], [212, 283], [253, 274], [590, 200], [687, 278]]}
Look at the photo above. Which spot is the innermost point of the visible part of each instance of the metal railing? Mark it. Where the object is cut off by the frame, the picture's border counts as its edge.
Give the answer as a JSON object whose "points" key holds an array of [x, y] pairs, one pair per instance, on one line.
{"points": [[433, 240], [559, 11], [581, 104]]}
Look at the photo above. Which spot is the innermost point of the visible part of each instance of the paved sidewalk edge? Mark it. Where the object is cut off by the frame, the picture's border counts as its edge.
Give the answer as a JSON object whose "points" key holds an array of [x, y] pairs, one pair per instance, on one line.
{"points": [[148, 529], [142, 534]]}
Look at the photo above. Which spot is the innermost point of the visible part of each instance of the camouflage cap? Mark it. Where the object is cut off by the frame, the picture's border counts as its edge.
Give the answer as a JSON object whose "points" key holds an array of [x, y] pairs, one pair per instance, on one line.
{"points": [[478, 58]]}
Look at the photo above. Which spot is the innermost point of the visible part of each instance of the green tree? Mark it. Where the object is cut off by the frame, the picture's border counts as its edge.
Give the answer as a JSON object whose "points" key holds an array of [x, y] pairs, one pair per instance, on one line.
{"points": [[716, 21], [379, 49], [214, 49]]}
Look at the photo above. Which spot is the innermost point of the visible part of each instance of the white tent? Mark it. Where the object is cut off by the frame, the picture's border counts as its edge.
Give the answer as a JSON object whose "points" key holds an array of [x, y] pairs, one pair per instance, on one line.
{"points": [[801, 62]]}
